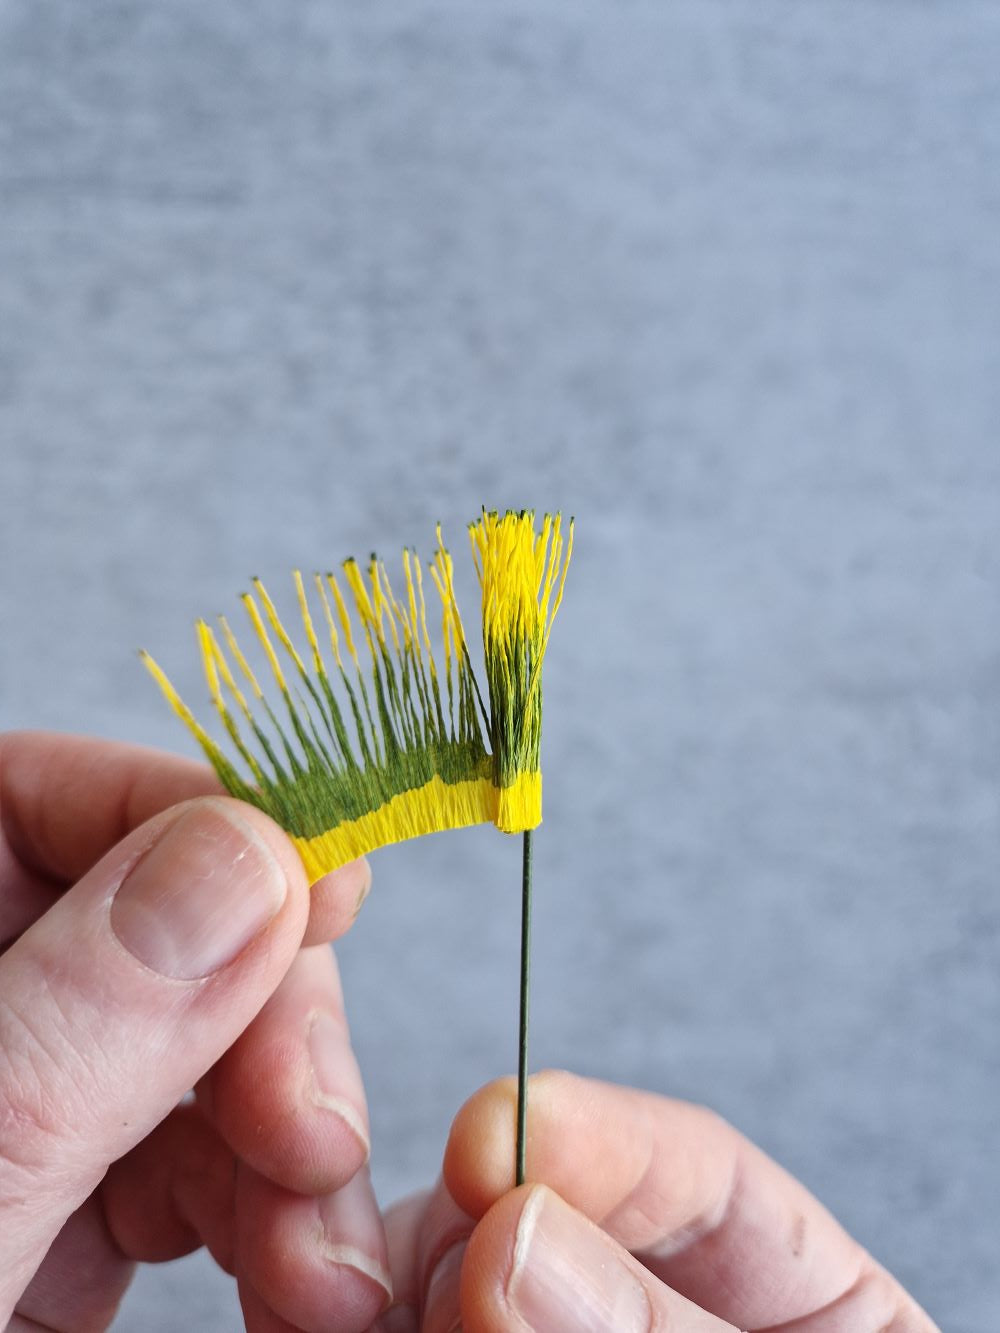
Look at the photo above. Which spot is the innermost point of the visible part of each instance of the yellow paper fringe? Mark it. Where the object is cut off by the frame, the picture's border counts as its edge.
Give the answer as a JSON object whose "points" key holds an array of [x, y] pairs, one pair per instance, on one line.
{"points": [[402, 753]]}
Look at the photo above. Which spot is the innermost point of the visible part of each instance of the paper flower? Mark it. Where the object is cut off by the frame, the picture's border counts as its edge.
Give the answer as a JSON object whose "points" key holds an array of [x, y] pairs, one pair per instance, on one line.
{"points": [[359, 754]]}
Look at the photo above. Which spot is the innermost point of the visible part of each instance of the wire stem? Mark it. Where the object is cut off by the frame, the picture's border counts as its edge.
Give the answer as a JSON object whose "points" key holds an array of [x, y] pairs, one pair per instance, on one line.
{"points": [[522, 1041]]}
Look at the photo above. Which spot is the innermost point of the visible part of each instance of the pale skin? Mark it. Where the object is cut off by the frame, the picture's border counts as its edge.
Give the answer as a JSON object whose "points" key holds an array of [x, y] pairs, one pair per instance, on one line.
{"points": [[157, 937]]}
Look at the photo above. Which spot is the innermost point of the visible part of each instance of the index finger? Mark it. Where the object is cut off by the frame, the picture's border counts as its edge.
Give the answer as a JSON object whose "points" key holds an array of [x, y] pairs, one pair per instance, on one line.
{"points": [[705, 1210], [65, 801]]}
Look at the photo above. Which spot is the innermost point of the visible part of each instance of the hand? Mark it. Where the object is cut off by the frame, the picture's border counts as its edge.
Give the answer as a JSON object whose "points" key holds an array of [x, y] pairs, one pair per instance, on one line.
{"points": [[648, 1214], [150, 947]]}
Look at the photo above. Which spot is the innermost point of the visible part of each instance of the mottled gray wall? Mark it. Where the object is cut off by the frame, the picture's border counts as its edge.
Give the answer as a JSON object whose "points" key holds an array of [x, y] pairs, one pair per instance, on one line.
{"points": [[281, 282]]}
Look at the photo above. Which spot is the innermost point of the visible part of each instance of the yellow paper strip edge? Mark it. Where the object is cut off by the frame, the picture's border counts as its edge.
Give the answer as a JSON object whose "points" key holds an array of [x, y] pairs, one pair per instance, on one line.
{"points": [[432, 808]]}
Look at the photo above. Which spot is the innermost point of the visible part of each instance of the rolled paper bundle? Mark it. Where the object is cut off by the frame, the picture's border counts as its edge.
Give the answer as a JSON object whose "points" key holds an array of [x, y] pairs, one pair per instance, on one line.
{"points": [[358, 756]]}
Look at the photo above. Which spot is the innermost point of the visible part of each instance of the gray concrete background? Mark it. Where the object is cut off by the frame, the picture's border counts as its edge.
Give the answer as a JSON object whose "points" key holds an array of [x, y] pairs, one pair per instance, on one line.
{"points": [[280, 283]]}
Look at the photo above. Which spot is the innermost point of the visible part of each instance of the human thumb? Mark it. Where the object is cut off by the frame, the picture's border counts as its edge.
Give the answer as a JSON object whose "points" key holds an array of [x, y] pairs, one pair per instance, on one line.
{"points": [[117, 1000]]}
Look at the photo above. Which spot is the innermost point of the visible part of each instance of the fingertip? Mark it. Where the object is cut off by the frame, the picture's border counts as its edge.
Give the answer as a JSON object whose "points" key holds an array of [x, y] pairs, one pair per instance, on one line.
{"points": [[263, 829], [296, 914], [491, 1257], [263, 836], [479, 1155], [309, 1151], [310, 1259], [335, 901], [534, 1262], [288, 1095]]}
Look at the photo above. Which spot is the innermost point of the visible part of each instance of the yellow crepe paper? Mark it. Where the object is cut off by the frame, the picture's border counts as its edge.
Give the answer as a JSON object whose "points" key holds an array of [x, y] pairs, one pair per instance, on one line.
{"points": [[373, 754]]}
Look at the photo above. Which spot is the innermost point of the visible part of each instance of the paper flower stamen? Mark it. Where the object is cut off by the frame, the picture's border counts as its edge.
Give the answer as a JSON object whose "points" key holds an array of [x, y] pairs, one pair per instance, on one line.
{"points": [[360, 754]]}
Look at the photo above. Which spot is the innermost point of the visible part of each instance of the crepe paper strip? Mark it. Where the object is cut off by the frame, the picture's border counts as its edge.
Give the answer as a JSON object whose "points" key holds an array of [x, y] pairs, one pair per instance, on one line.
{"points": [[359, 756]]}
